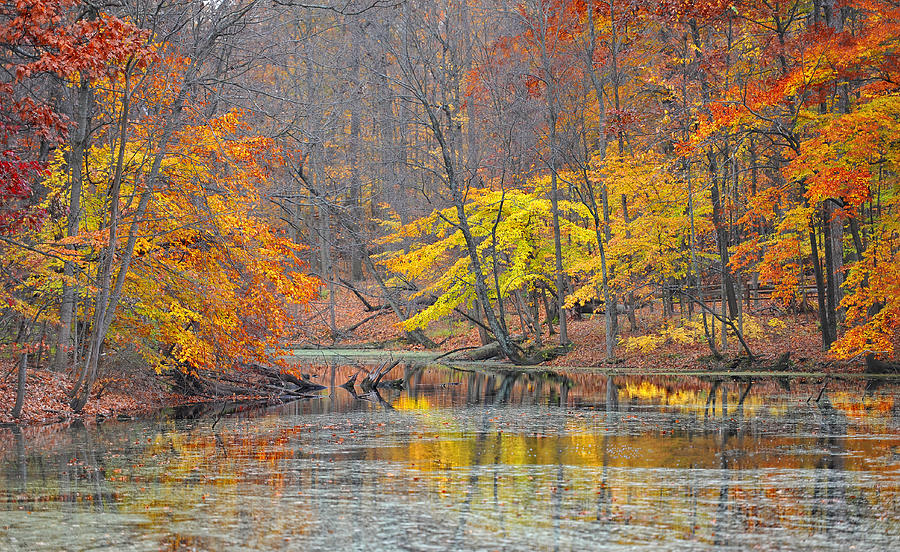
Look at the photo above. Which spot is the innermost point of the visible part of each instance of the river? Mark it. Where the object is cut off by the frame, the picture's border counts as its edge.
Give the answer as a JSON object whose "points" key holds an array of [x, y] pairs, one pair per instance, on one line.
{"points": [[475, 460]]}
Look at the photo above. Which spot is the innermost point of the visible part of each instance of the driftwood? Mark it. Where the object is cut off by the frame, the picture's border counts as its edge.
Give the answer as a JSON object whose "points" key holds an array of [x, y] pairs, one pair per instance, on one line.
{"points": [[374, 377], [392, 384], [454, 351], [375, 396], [492, 350], [286, 392], [195, 384], [303, 385], [350, 383]]}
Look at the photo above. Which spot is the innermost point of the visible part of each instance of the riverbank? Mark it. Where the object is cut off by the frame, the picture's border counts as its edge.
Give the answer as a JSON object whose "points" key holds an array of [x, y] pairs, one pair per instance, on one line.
{"points": [[782, 343], [47, 397], [656, 341]]}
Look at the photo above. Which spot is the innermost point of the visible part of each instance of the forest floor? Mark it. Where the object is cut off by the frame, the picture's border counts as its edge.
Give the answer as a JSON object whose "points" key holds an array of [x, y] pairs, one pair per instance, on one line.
{"points": [[47, 392], [136, 389]]}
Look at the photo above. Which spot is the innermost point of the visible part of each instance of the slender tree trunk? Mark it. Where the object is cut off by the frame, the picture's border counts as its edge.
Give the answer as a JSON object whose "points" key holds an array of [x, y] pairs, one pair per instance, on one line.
{"points": [[609, 303], [827, 338], [107, 261], [724, 315], [110, 291], [831, 291], [722, 239], [836, 233], [548, 313], [609, 314], [549, 78], [694, 275], [857, 239], [20, 386], [632, 319], [325, 263], [475, 313], [532, 323], [80, 139], [356, 272], [557, 238]]}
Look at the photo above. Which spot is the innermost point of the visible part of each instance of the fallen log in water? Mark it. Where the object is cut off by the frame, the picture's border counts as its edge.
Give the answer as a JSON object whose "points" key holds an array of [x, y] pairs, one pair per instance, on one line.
{"points": [[350, 383], [392, 384], [373, 378], [286, 381]]}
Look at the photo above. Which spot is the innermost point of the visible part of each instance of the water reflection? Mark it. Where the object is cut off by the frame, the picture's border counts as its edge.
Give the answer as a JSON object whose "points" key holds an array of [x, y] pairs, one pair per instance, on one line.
{"points": [[473, 460]]}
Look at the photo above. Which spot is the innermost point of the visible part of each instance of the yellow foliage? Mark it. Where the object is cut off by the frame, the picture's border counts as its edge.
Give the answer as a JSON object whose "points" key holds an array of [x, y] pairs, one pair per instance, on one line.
{"points": [[776, 323], [689, 332], [643, 344]]}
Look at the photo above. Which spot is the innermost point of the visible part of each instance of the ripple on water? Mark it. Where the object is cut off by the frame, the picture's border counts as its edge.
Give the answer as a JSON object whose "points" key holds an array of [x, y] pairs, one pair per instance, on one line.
{"points": [[496, 461]]}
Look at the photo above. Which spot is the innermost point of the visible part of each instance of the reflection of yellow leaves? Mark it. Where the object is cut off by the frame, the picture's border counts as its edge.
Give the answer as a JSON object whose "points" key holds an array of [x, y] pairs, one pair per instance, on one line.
{"points": [[409, 403]]}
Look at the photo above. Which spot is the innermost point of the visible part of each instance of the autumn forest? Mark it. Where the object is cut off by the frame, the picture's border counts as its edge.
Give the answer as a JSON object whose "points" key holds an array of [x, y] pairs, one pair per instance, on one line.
{"points": [[190, 190]]}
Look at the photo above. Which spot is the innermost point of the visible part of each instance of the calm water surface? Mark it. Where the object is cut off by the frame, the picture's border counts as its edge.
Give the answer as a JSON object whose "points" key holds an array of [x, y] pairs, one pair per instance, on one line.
{"points": [[476, 461]]}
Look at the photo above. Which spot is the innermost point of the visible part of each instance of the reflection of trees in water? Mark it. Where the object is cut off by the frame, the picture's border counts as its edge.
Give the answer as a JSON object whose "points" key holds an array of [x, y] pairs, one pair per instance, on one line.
{"points": [[725, 524], [830, 483], [442, 387], [446, 387], [74, 471], [21, 464], [604, 493], [507, 381], [472, 490], [267, 466]]}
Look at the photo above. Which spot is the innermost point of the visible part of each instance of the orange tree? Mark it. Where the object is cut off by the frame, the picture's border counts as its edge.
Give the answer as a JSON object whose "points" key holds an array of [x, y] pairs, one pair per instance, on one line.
{"points": [[825, 103], [212, 284]]}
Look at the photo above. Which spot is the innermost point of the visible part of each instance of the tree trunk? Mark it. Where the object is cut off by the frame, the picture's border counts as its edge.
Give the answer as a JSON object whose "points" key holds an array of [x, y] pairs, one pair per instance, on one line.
{"points": [[81, 391], [110, 291], [549, 79], [483, 335], [836, 234], [356, 272], [557, 238], [722, 239], [827, 338], [831, 291], [80, 139], [548, 314], [597, 82], [20, 386]]}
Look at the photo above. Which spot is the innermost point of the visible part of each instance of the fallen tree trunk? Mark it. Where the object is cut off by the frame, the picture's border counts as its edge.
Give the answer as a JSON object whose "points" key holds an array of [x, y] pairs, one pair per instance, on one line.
{"points": [[373, 378], [350, 383], [379, 312], [485, 352]]}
